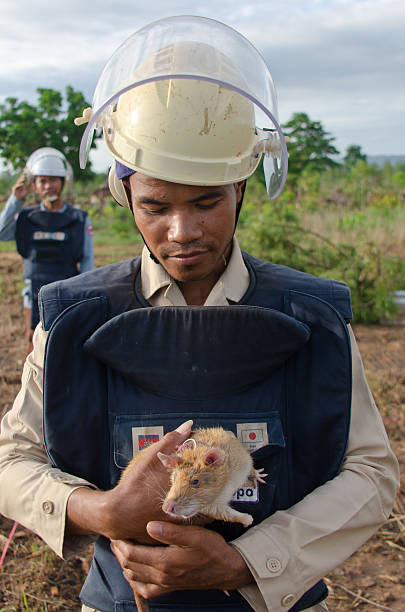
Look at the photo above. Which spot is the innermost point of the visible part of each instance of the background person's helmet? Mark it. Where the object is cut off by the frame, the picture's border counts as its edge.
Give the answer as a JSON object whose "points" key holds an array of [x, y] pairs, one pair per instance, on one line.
{"points": [[188, 100], [47, 161]]}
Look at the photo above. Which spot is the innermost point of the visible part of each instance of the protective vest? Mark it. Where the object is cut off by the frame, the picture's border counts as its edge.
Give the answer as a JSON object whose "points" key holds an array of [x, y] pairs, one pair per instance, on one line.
{"points": [[51, 245], [275, 369]]}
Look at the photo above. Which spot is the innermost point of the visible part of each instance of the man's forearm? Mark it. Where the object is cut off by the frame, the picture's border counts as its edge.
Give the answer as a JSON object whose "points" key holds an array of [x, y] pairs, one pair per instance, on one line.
{"points": [[7, 217], [87, 512]]}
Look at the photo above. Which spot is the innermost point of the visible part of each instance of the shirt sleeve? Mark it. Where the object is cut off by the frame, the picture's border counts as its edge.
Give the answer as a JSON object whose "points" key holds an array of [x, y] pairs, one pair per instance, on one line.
{"points": [[87, 263], [37, 493], [292, 549], [8, 217]]}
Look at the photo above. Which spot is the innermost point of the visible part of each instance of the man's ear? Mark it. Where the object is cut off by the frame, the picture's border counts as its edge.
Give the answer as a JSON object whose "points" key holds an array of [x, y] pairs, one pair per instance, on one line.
{"points": [[117, 189], [240, 192], [240, 188], [127, 187]]}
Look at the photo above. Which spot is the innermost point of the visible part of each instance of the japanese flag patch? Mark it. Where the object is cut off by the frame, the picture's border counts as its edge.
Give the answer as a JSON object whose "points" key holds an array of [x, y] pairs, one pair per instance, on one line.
{"points": [[252, 435]]}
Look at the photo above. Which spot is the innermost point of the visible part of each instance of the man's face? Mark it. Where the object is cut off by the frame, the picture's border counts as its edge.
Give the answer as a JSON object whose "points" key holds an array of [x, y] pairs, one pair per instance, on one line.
{"points": [[49, 188], [188, 228]]}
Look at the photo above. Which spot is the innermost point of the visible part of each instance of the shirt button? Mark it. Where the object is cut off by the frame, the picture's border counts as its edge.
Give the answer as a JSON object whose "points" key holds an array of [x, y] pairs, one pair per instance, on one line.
{"points": [[287, 600], [273, 565], [48, 507]]}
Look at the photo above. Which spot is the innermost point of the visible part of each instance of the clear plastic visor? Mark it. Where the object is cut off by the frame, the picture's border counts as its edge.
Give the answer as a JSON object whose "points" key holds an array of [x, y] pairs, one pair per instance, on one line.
{"points": [[197, 48]]}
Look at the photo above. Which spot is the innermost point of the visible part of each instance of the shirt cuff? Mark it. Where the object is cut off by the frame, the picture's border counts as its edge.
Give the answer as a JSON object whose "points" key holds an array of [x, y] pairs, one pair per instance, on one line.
{"points": [[267, 562], [49, 518]]}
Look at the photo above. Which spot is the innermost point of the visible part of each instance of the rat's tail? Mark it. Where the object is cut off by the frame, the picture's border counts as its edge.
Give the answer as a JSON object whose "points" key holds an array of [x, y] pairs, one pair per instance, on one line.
{"points": [[141, 603]]}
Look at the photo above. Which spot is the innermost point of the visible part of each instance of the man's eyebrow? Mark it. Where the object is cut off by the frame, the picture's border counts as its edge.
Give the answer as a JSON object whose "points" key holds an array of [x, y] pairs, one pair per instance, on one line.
{"points": [[146, 200], [207, 196], [202, 198]]}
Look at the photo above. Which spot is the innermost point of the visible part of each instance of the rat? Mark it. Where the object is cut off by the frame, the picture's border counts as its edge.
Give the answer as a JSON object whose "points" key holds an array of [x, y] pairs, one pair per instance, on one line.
{"points": [[205, 471]]}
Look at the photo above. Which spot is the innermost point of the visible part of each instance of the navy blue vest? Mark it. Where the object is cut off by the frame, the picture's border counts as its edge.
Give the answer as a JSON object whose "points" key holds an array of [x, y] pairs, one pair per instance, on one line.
{"points": [[51, 245], [277, 364]]}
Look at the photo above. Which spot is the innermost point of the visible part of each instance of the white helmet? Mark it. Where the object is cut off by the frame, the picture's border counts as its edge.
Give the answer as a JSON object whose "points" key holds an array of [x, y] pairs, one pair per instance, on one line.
{"points": [[188, 100], [47, 161]]}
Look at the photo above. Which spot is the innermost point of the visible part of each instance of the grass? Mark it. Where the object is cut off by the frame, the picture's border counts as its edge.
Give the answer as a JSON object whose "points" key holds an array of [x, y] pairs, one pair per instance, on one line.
{"points": [[7, 247], [383, 227], [106, 254]]}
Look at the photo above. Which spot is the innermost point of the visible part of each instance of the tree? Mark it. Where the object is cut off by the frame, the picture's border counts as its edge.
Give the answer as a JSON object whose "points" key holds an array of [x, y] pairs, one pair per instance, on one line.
{"points": [[353, 155], [309, 146], [25, 127]]}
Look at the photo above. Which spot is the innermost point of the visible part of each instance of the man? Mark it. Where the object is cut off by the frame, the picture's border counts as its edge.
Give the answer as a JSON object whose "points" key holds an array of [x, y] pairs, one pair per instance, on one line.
{"points": [[195, 331], [53, 246]]}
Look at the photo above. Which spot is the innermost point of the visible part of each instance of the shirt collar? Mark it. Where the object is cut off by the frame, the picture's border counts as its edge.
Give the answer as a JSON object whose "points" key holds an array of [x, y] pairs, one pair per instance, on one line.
{"points": [[61, 210], [159, 288]]}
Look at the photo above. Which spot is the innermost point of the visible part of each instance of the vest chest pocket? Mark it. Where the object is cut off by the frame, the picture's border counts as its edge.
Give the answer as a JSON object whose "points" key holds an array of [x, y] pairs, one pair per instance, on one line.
{"points": [[260, 433], [44, 252]]}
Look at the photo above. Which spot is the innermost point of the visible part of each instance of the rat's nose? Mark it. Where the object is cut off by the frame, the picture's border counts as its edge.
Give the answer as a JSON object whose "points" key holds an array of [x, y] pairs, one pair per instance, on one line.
{"points": [[169, 506]]}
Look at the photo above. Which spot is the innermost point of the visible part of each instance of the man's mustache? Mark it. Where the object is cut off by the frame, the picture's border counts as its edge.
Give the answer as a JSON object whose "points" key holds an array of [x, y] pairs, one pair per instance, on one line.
{"points": [[185, 250]]}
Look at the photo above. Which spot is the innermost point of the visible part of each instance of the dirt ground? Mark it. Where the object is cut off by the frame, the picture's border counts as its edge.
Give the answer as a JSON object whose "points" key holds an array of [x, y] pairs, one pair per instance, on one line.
{"points": [[32, 578]]}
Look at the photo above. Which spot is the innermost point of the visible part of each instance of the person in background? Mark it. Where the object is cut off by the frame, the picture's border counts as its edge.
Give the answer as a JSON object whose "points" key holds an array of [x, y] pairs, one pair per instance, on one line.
{"points": [[195, 331], [54, 238]]}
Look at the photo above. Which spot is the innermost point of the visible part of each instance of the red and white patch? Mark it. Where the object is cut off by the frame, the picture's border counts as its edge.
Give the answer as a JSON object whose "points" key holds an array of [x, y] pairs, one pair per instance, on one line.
{"points": [[252, 435], [142, 437], [60, 236]]}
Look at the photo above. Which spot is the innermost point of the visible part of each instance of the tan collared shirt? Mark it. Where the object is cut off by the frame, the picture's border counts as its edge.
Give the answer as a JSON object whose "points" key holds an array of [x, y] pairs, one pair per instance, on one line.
{"points": [[161, 290], [289, 551]]}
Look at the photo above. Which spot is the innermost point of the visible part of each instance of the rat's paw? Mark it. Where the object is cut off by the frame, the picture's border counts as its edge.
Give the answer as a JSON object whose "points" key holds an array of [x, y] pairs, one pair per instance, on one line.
{"points": [[247, 520], [259, 476]]}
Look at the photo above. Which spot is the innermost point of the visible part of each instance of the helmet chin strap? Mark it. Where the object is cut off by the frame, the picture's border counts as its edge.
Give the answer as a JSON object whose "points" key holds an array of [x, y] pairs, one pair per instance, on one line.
{"points": [[239, 204], [128, 192], [151, 255]]}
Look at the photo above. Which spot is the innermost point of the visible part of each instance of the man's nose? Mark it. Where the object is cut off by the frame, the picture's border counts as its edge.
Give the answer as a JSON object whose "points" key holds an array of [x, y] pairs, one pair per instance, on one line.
{"points": [[184, 227]]}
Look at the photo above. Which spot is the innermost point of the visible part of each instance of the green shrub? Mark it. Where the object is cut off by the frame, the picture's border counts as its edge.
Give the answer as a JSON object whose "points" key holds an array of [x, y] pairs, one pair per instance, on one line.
{"points": [[275, 234]]}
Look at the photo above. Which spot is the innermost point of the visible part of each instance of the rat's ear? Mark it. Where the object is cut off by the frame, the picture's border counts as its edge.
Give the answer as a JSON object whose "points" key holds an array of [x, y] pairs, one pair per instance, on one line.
{"points": [[170, 461], [190, 443], [215, 457]]}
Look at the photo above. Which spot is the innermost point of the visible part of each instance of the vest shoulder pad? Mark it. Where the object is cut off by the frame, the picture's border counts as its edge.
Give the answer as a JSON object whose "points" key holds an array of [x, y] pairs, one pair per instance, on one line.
{"points": [[112, 281], [77, 213], [273, 278], [27, 210]]}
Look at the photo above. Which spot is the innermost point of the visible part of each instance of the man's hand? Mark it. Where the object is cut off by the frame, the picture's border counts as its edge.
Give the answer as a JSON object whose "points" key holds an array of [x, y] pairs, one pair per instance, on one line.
{"points": [[22, 187], [191, 558], [124, 511]]}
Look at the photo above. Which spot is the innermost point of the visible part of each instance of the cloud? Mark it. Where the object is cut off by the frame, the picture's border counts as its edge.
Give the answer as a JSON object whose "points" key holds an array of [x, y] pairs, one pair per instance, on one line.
{"points": [[341, 61]]}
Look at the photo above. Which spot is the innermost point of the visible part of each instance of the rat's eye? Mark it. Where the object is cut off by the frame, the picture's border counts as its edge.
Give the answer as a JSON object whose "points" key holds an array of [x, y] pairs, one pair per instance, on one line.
{"points": [[195, 483]]}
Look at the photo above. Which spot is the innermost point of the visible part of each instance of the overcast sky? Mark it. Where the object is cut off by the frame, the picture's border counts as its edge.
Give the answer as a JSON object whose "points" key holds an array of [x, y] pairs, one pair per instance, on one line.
{"points": [[340, 61]]}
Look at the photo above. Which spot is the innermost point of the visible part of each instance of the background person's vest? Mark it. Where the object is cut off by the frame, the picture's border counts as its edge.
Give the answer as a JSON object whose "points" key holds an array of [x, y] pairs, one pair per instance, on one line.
{"points": [[51, 245], [277, 365]]}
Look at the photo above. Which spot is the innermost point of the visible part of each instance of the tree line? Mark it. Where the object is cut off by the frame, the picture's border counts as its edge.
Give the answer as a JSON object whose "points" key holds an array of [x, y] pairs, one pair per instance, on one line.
{"points": [[25, 127]]}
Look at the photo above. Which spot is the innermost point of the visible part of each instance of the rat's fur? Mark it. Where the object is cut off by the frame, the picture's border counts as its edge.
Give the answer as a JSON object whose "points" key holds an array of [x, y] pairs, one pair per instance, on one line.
{"points": [[205, 475]]}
